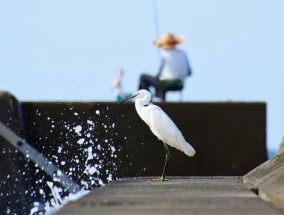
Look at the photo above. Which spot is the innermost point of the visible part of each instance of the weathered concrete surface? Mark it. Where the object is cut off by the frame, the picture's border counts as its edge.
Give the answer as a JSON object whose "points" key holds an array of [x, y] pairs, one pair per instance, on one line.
{"points": [[268, 180], [273, 191], [265, 172], [182, 195]]}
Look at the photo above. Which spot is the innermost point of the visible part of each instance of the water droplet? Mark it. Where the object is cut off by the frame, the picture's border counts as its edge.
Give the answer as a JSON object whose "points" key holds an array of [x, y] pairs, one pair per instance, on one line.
{"points": [[59, 173], [59, 149], [81, 141], [78, 129], [92, 170]]}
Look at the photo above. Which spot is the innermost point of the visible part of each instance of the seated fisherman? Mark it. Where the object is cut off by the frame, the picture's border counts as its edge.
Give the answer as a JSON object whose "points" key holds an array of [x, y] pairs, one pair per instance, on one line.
{"points": [[174, 66]]}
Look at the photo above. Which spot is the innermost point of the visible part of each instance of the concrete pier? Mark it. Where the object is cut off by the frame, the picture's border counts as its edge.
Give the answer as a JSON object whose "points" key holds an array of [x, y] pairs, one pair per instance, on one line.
{"points": [[229, 137], [179, 195]]}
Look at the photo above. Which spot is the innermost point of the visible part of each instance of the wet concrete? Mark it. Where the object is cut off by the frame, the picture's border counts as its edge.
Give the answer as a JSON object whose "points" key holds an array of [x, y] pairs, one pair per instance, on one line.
{"points": [[179, 195]]}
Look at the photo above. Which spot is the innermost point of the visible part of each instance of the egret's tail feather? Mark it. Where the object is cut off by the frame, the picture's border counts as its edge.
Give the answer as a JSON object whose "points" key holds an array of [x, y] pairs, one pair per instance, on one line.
{"points": [[188, 150]]}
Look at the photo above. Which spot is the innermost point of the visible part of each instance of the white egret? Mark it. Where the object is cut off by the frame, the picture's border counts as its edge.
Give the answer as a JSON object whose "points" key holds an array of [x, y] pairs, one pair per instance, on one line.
{"points": [[161, 125]]}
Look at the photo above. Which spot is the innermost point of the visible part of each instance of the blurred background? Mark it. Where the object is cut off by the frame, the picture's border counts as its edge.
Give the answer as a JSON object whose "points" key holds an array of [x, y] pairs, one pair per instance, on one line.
{"points": [[70, 50]]}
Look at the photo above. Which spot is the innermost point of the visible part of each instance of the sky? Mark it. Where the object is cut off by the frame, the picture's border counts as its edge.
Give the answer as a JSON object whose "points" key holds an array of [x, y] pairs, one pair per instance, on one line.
{"points": [[69, 50]]}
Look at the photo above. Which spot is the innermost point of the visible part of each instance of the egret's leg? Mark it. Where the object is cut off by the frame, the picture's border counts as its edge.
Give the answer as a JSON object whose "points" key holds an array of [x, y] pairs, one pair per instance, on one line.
{"points": [[168, 156]]}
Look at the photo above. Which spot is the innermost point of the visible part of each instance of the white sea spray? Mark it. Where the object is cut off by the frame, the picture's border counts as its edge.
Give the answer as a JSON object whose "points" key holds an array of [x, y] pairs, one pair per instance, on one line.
{"points": [[93, 140]]}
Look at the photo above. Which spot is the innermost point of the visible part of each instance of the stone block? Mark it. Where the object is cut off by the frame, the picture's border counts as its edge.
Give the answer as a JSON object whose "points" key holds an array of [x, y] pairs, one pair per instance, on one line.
{"points": [[268, 180]]}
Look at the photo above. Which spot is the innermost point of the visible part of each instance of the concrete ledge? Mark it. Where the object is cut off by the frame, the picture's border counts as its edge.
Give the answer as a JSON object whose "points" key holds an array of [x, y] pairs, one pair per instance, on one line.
{"points": [[265, 172], [268, 180], [273, 191], [180, 195]]}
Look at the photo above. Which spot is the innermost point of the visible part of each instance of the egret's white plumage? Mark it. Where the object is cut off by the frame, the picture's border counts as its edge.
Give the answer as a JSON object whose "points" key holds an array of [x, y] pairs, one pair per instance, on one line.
{"points": [[161, 125]]}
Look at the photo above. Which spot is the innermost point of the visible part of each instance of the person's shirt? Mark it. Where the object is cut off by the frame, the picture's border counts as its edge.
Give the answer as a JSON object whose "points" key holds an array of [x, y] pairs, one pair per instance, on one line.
{"points": [[174, 65]]}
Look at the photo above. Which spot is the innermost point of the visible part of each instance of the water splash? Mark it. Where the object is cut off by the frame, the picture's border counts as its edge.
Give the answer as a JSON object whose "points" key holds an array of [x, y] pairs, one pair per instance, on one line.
{"points": [[58, 201], [81, 145]]}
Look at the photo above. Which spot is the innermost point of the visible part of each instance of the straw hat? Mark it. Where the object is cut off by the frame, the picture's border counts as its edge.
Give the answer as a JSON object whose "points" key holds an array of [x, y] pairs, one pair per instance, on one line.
{"points": [[168, 40]]}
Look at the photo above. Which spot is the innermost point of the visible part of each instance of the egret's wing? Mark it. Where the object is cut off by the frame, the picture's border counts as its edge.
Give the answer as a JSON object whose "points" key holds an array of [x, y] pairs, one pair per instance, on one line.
{"points": [[164, 128]]}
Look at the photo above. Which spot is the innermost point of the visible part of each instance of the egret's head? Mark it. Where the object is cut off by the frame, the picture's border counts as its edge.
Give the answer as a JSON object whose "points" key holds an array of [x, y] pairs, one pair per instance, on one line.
{"points": [[143, 94]]}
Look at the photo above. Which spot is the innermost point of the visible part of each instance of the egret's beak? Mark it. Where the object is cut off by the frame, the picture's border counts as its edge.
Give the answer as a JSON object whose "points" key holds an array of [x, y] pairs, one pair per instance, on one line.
{"points": [[124, 100]]}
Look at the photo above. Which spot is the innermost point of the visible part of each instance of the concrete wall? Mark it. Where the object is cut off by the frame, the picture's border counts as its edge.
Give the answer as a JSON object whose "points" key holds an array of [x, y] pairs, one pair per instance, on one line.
{"points": [[229, 137], [15, 176]]}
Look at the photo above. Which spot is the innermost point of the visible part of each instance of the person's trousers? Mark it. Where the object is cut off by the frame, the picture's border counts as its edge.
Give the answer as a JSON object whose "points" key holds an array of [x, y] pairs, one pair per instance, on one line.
{"points": [[147, 81]]}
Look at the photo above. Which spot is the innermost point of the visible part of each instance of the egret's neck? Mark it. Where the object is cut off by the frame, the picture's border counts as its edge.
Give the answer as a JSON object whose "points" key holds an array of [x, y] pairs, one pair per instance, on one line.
{"points": [[141, 102]]}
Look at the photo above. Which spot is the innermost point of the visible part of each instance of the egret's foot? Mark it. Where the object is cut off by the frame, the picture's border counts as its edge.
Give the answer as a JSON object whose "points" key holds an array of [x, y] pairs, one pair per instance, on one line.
{"points": [[159, 179]]}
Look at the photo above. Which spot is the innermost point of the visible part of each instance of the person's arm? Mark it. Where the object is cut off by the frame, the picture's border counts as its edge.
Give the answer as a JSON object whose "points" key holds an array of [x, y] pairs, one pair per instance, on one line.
{"points": [[189, 71]]}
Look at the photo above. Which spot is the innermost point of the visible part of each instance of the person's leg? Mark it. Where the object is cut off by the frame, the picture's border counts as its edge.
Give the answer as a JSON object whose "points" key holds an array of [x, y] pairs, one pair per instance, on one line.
{"points": [[147, 81]]}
